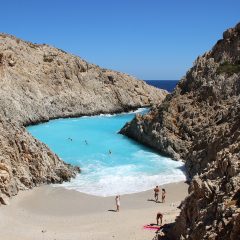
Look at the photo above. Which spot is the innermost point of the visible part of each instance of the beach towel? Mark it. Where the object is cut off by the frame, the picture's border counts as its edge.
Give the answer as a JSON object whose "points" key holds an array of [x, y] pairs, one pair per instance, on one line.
{"points": [[151, 227]]}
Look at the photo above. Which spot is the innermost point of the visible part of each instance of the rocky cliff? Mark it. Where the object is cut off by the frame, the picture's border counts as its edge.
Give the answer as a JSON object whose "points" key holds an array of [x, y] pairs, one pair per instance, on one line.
{"points": [[200, 123], [38, 83]]}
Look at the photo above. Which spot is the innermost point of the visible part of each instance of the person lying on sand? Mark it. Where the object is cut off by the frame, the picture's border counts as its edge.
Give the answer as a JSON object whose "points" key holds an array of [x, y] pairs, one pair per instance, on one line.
{"points": [[156, 192], [159, 216]]}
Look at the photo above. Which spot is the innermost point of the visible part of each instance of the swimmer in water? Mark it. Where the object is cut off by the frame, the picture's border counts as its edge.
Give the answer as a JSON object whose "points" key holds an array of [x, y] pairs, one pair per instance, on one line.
{"points": [[86, 142], [109, 152]]}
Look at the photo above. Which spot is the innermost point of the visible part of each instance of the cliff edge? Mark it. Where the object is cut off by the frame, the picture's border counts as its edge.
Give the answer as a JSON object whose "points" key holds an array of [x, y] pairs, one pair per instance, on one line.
{"points": [[200, 124], [38, 83]]}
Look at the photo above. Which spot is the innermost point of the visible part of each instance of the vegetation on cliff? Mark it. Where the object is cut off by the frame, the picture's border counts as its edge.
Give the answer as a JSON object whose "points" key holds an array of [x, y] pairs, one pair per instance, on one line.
{"points": [[200, 123], [229, 68]]}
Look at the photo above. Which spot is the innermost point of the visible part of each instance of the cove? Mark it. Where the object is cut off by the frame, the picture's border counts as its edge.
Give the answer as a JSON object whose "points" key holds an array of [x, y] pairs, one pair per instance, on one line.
{"points": [[110, 163]]}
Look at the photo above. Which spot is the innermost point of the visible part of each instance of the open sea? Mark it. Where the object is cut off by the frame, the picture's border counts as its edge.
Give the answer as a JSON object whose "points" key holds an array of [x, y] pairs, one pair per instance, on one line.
{"points": [[168, 85], [111, 163]]}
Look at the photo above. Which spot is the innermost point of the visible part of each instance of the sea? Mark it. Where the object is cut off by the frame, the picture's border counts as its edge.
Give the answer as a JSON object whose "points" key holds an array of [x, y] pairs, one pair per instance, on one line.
{"points": [[110, 163], [168, 85]]}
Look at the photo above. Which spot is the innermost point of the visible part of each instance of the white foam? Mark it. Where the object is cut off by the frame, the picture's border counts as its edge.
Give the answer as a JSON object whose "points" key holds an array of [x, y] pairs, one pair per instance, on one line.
{"points": [[110, 181], [130, 169], [139, 110]]}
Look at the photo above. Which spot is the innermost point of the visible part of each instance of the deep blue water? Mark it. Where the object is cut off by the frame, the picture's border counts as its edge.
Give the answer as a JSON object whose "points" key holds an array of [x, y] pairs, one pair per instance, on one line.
{"points": [[111, 163], [168, 85]]}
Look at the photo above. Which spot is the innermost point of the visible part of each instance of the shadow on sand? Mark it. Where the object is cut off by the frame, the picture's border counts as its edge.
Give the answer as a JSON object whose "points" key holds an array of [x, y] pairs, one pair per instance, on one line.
{"points": [[112, 210], [161, 233], [153, 200]]}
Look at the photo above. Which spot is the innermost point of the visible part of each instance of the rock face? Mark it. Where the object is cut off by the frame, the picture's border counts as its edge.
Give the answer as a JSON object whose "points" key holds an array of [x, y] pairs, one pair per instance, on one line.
{"points": [[200, 123], [38, 83]]}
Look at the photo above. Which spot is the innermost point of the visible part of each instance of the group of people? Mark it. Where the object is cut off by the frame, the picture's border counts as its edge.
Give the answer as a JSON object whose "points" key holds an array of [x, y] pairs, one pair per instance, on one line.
{"points": [[159, 217], [156, 194]]}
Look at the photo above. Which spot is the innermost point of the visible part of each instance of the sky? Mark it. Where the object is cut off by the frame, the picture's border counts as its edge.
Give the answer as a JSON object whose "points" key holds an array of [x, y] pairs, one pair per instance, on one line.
{"points": [[150, 39]]}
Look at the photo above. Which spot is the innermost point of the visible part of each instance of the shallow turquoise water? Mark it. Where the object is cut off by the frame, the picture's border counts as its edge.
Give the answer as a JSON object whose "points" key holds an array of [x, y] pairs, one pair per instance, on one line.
{"points": [[111, 163]]}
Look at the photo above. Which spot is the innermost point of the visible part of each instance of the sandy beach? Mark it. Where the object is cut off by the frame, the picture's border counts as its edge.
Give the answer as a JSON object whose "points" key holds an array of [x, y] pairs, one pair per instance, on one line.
{"points": [[49, 212]]}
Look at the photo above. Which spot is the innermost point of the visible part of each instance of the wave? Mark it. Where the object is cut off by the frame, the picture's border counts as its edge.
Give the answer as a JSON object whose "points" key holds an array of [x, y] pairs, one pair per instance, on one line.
{"points": [[129, 168], [139, 110], [110, 181]]}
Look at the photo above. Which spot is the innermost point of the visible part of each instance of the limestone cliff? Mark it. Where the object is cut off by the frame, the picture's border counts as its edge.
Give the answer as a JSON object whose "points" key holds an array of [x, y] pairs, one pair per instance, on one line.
{"points": [[38, 83], [200, 123]]}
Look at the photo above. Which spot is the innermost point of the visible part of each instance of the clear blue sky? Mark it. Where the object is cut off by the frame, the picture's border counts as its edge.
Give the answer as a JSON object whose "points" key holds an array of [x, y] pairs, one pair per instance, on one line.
{"points": [[151, 39]]}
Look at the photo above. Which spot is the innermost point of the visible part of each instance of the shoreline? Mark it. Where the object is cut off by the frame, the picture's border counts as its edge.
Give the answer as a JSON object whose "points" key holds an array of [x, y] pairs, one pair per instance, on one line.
{"points": [[49, 212], [65, 186], [93, 114], [117, 182]]}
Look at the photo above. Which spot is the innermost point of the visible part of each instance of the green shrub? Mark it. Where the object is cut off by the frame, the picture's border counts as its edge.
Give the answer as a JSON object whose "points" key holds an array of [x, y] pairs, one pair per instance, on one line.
{"points": [[229, 68]]}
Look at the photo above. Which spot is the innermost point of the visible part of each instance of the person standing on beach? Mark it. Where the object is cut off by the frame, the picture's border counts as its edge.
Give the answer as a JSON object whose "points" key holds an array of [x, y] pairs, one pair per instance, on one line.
{"points": [[163, 195], [117, 199], [156, 193], [159, 216]]}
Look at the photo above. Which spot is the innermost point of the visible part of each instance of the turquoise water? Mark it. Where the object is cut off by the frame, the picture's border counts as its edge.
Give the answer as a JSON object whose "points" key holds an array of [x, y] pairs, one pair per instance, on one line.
{"points": [[111, 163]]}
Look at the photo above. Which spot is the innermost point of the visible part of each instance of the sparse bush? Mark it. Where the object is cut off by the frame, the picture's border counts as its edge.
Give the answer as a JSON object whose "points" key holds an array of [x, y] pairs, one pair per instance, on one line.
{"points": [[1, 58], [48, 58], [32, 45], [229, 68]]}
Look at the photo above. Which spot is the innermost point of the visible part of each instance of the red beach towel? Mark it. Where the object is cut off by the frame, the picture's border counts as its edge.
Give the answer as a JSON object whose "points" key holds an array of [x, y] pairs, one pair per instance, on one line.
{"points": [[151, 227]]}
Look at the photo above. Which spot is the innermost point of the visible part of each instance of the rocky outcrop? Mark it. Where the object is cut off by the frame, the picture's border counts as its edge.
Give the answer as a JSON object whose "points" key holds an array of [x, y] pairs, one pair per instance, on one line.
{"points": [[38, 83], [200, 123], [25, 162]]}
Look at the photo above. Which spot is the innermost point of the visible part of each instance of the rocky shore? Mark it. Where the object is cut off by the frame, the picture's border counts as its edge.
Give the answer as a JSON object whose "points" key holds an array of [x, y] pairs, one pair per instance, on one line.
{"points": [[39, 83], [200, 123]]}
